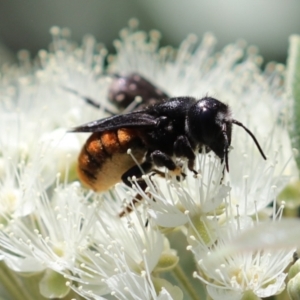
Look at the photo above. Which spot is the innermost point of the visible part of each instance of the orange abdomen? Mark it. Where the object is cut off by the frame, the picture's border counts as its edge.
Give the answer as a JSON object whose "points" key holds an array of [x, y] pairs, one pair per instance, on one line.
{"points": [[104, 159]]}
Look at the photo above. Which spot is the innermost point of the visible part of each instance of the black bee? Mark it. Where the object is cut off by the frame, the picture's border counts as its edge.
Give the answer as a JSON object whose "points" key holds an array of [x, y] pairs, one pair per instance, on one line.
{"points": [[177, 127]]}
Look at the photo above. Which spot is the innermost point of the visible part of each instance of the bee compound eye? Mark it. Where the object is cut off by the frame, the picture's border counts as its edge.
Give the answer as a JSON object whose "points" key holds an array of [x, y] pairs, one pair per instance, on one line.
{"points": [[200, 120]]}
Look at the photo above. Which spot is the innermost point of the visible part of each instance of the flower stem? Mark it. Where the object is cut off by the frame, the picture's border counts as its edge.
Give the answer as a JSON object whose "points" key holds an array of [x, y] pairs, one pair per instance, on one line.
{"points": [[283, 295], [12, 284], [185, 283], [293, 86], [20, 287]]}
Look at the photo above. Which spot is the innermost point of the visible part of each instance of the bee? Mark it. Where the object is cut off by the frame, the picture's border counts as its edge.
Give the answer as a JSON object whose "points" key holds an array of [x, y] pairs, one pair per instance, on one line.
{"points": [[177, 127], [124, 90], [128, 93]]}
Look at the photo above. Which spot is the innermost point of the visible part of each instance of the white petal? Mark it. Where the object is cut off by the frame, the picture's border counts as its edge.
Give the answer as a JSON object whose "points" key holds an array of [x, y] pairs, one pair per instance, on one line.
{"points": [[176, 294], [53, 285], [273, 288], [168, 290], [130, 286], [279, 235], [167, 219], [224, 294], [282, 234], [24, 265], [221, 193]]}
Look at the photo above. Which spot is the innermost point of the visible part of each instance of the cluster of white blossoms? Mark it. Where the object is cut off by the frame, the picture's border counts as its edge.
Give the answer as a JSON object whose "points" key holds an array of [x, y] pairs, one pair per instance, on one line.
{"points": [[72, 240]]}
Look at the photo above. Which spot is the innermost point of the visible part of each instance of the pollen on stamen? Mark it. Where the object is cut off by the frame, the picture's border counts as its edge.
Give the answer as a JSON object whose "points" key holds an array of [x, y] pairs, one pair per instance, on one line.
{"points": [[218, 271], [155, 35], [192, 38], [55, 30], [138, 99], [66, 32], [43, 54], [23, 55], [133, 23], [117, 44]]}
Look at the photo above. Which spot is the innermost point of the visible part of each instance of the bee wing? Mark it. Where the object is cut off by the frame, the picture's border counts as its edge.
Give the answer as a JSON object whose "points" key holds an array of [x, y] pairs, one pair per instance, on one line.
{"points": [[135, 119]]}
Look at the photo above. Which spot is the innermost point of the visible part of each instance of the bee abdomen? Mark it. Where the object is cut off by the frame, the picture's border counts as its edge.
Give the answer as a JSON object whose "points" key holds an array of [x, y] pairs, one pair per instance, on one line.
{"points": [[104, 159]]}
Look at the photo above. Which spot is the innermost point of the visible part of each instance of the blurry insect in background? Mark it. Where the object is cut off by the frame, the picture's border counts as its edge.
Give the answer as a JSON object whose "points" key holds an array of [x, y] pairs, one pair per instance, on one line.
{"points": [[128, 93], [177, 127]]}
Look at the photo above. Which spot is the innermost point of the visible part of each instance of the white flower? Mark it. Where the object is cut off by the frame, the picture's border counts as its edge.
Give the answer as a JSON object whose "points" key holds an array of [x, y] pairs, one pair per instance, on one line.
{"points": [[76, 237], [170, 204], [261, 272], [258, 270], [252, 183], [122, 256], [51, 236]]}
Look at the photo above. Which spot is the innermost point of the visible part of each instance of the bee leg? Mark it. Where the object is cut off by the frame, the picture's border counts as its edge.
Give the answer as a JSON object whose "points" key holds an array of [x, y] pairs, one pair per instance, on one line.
{"points": [[223, 173], [158, 172], [135, 201], [136, 171], [163, 175], [161, 159], [183, 148], [138, 198]]}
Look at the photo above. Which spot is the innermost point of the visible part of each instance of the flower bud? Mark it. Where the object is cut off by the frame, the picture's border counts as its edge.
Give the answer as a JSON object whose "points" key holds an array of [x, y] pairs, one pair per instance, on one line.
{"points": [[249, 295], [293, 287], [167, 262], [294, 269]]}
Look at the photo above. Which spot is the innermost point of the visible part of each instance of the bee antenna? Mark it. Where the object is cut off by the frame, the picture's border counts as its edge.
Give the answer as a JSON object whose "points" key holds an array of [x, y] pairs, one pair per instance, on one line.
{"points": [[226, 146], [252, 135]]}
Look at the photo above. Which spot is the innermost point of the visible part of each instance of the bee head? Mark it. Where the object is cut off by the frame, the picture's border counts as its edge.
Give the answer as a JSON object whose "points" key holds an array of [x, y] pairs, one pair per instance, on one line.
{"points": [[209, 124]]}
